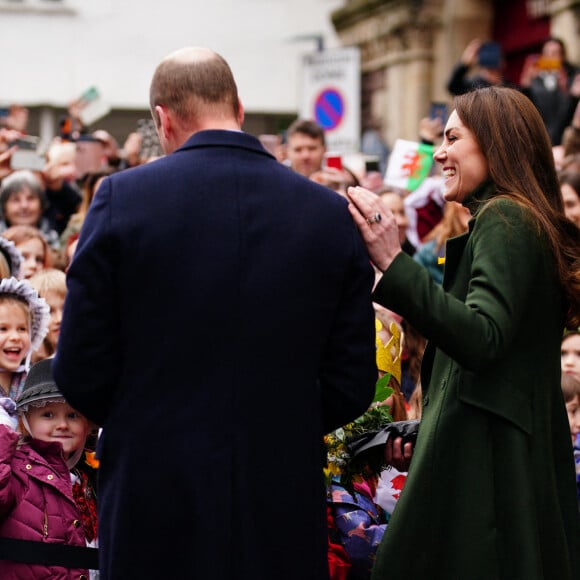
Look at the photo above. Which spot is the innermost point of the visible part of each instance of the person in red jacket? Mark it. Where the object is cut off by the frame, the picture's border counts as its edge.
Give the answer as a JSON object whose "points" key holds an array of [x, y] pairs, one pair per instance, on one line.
{"points": [[48, 514]]}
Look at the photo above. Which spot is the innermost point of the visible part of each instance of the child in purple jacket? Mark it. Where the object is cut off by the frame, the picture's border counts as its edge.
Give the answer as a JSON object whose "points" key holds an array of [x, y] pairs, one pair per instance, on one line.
{"points": [[47, 496]]}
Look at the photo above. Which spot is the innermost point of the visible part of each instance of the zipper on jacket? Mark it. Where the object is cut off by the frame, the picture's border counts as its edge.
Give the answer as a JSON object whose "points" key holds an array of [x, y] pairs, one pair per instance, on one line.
{"points": [[45, 524]]}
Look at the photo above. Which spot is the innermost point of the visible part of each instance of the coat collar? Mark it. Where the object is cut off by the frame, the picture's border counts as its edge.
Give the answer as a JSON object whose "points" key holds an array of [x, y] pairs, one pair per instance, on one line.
{"points": [[475, 200], [224, 138], [46, 448], [454, 247]]}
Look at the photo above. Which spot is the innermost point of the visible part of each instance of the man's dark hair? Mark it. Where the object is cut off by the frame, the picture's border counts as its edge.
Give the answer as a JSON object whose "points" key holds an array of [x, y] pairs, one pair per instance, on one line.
{"points": [[307, 127]]}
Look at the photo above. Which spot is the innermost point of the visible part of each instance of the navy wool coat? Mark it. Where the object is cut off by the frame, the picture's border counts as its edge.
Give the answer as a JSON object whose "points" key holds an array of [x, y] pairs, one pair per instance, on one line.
{"points": [[218, 323]]}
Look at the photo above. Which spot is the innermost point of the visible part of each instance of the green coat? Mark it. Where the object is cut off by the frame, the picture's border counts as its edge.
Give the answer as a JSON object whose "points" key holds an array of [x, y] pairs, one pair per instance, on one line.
{"points": [[491, 491]]}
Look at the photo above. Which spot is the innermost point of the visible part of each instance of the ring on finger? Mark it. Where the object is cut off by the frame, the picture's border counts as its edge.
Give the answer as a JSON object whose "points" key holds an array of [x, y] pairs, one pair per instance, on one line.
{"points": [[375, 218]]}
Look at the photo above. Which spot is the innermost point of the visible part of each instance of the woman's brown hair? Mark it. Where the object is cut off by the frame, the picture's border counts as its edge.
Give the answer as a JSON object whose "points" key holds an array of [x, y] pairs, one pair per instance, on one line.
{"points": [[513, 138]]}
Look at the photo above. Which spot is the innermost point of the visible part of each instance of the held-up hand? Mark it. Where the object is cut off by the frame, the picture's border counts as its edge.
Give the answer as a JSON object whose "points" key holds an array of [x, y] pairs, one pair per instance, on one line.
{"points": [[530, 70], [131, 151], [7, 136], [575, 87], [52, 176], [431, 130], [331, 177], [373, 180], [5, 158], [8, 414], [397, 454], [377, 226], [471, 53]]}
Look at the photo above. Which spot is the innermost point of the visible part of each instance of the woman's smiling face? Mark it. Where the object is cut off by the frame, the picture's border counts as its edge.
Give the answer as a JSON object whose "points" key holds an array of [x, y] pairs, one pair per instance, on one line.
{"points": [[464, 166]]}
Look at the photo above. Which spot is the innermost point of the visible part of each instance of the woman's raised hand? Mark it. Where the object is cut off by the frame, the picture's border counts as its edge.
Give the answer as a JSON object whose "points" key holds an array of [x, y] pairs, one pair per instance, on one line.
{"points": [[377, 226]]}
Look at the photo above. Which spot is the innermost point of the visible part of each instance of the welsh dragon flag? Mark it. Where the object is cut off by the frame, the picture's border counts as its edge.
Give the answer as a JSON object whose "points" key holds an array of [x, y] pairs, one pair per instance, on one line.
{"points": [[409, 164]]}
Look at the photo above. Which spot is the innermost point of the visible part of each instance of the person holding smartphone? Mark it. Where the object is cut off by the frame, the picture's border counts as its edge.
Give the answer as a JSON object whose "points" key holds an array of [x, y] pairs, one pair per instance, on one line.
{"points": [[481, 65], [553, 85]]}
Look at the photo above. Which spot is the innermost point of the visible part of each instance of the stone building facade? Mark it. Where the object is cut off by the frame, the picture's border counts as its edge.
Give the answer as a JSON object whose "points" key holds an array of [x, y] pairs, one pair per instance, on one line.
{"points": [[408, 48]]}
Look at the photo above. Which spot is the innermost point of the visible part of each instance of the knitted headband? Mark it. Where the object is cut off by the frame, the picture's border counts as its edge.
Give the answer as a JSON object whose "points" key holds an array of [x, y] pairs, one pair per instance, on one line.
{"points": [[39, 309]]}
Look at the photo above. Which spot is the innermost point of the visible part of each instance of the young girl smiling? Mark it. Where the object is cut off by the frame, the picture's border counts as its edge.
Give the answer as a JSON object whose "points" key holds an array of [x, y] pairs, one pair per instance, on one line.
{"points": [[23, 324], [48, 514]]}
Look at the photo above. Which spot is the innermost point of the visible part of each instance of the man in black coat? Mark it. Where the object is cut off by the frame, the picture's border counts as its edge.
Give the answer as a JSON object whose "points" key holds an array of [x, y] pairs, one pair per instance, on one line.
{"points": [[218, 323]]}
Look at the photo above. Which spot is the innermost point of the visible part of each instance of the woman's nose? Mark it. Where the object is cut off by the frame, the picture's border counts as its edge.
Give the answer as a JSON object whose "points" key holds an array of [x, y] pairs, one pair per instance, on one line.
{"points": [[25, 203], [440, 154]]}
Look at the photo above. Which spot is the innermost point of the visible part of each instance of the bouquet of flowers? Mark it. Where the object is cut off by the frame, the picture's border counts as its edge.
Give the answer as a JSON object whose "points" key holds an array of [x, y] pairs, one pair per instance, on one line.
{"points": [[341, 462]]}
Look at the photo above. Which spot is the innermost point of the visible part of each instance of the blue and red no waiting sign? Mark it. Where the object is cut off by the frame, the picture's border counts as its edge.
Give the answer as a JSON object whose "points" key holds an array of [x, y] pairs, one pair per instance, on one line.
{"points": [[329, 109]]}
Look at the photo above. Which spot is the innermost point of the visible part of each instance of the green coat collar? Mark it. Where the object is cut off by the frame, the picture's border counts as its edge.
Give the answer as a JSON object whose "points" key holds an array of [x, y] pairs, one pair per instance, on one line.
{"points": [[476, 199]]}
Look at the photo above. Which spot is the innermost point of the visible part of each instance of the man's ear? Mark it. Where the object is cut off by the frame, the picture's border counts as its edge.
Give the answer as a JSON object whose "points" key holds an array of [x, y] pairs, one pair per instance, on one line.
{"points": [[240, 113], [165, 125]]}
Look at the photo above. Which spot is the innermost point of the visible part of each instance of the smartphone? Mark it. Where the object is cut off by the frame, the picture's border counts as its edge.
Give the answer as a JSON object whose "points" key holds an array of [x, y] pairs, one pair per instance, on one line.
{"points": [[26, 143], [92, 107], [489, 55], [334, 160], [438, 111], [27, 159], [372, 164], [91, 94], [546, 63]]}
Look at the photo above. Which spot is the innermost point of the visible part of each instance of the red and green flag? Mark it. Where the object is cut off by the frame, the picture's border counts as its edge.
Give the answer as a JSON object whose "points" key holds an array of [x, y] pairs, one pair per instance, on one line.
{"points": [[409, 164]]}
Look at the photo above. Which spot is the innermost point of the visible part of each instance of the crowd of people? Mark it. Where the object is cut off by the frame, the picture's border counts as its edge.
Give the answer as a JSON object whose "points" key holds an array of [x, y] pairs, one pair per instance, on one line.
{"points": [[198, 335], [548, 78]]}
